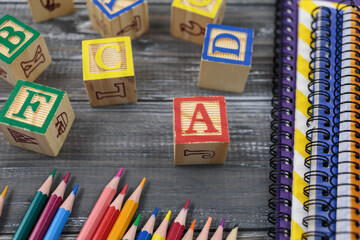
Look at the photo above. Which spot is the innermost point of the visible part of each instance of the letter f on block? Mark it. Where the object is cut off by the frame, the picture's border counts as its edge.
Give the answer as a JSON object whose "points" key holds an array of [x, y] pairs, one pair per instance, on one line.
{"points": [[226, 50], [15, 36], [33, 105], [205, 118]]}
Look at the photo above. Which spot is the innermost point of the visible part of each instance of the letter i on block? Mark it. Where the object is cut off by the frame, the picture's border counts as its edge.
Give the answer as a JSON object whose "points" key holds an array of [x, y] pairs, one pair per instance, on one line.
{"points": [[43, 10], [112, 18], [189, 18], [226, 58], [200, 130], [37, 118], [23, 51], [108, 71]]}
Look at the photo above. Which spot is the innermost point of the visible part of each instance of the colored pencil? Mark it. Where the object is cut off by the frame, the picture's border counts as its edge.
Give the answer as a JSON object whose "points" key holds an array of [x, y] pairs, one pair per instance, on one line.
{"points": [[131, 233], [126, 214], [50, 209], [110, 216], [147, 231], [177, 227], [218, 235], [233, 234], [2, 199], [32, 213], [99, 209], [160, 233], [205, 231], [190, 233], [61, 217]]}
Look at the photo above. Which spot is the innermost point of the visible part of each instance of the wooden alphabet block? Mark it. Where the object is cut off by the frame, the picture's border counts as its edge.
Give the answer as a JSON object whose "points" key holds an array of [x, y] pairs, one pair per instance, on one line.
{"points": [[112, 18], [108, 71], [43, 10], [189, 18], [226, 58], [23, 51], [200, 130], [37, 118]]}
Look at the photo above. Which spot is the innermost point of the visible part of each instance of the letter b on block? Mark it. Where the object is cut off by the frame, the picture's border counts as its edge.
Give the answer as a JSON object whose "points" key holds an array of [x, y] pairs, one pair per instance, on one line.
{"points": [[23, 52], [200, 130], [37, 118], [226, 58]]}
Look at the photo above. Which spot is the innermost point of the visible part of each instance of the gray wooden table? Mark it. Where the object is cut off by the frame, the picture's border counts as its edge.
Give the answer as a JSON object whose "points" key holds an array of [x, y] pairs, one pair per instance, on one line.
{"points": [[139, 136]]}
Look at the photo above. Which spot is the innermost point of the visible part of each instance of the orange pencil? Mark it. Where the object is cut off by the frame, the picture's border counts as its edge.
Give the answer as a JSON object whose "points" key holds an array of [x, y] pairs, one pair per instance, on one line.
{"points": [[126, 214], [205, 231], [2, 199], [100, 207], [190, 233], [218, 235]]}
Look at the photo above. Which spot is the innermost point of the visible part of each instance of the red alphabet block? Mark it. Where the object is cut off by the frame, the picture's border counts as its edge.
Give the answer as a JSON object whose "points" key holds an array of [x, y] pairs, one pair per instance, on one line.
{"points": [[200, 130]]}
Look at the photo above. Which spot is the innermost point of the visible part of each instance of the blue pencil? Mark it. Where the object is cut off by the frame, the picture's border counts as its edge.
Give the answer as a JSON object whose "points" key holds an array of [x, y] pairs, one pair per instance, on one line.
{"points": [[147, 231], [61, 217]]}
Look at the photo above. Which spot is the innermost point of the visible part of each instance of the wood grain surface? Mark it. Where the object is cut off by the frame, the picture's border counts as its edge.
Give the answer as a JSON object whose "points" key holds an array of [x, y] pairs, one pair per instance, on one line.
{"points": [[139, 136]]}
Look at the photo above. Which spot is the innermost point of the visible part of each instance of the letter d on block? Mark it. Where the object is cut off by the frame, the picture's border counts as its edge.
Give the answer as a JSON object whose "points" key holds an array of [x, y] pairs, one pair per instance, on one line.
{"points": [[98, 57], [226, 50], [11, 33], [201, 3]]}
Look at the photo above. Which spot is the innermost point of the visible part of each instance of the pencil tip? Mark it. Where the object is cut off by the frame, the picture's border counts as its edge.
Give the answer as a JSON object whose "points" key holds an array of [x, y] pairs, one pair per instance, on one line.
{"points": [[3, 194], [222, 222], [167, 217], [208, 222], [53, 173], [142, 183], [123, 191], [156, 211], [192, 227], [187, 204], [67, 176], [75, 189], [120, 172], [136, 223]]}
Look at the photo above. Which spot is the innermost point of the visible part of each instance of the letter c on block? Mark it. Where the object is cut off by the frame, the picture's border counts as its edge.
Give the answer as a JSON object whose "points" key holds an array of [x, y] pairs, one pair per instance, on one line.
{"points": [[98, 57], [226, 50], [201, 3]]}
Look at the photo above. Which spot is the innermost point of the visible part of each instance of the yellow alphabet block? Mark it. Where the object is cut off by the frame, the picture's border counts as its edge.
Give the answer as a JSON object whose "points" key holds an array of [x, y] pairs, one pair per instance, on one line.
{"points": [[189, 18], [37, 118], [113, 18], [23, 51], [108, 71], [43, 10]]}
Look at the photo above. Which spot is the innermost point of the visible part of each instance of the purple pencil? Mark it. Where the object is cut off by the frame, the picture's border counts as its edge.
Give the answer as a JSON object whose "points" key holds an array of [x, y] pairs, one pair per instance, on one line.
{"points": [[218, 235]]}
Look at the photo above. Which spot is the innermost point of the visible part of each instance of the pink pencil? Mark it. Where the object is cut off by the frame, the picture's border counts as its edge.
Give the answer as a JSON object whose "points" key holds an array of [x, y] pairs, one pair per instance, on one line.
{"points": [[48, 214], [205, 231], [218, 235], [100, 208]]}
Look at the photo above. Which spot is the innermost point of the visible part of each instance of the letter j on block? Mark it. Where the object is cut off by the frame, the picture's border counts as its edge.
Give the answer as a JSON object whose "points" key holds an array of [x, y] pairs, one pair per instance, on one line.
{"points": [[226, 58], [37, 118], [23, 51], [200, 130]]}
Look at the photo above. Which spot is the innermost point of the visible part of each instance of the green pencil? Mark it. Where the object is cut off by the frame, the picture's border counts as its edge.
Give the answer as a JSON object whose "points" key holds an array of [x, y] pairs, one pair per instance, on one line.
{"points": [[34, 210]]}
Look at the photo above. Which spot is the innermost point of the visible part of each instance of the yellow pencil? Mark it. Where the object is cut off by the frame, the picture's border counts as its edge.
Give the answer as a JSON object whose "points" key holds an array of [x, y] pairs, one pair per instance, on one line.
{"points": [[2, 199]]}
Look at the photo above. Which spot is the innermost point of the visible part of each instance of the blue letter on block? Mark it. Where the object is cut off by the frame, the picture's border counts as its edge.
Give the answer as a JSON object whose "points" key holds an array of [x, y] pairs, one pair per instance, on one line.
{"points": [[226, 50]]}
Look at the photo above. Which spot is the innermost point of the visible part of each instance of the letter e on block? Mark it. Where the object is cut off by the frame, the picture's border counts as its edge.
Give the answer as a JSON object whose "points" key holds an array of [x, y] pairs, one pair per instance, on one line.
{"points": [[118, 18], [189, 18], [226, 58], [108, 71], [201, 131], [23, 51], [37, 118]]}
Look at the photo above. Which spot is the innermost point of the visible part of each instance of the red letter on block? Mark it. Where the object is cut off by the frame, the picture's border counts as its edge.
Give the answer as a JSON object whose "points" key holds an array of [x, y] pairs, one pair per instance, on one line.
{"points": [[205, 118]]}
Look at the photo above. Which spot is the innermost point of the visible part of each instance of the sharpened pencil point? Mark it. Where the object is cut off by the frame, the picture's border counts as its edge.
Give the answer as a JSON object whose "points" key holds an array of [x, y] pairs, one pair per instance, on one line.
{"points": [[3, 194], [187, 204], [75, 189], [67, 176], [136, 223], [53, 173], [156, 211], [123, 191], [192, 227], [142, 183], [222, 222], [167, 217], [120, 172], [208, 222]]}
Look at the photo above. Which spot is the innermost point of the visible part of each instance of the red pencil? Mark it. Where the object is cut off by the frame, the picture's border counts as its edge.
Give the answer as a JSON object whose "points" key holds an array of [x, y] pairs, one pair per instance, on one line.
{"points": [[49, 211], [177, 227], [110, 216]]}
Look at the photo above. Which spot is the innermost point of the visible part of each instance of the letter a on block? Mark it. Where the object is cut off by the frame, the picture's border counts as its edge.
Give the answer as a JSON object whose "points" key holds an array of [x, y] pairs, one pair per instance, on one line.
{"points": [[200, 108]]}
